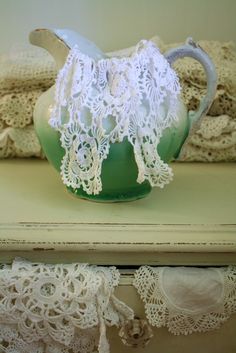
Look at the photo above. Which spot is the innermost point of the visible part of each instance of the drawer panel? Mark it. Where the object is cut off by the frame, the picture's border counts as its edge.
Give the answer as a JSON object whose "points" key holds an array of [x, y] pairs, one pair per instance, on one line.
{"points": [[222, 340]]}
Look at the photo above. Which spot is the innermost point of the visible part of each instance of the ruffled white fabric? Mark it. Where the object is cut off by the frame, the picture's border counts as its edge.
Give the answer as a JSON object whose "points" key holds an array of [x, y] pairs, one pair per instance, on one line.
{"points": [[187, 300], [102, 102], [58, 308]]}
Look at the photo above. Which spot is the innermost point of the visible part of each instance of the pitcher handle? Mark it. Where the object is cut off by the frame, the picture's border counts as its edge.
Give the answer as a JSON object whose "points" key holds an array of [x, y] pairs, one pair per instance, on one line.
{"points": [[193, 50]]}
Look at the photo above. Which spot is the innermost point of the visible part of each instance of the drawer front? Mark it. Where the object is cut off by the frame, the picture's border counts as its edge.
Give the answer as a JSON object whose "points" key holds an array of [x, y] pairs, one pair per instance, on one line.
{"points": [[222, 340]]}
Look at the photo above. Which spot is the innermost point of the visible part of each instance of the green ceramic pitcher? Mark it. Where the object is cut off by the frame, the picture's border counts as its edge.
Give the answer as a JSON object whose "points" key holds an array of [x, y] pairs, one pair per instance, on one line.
{"points": [[119, 170]]}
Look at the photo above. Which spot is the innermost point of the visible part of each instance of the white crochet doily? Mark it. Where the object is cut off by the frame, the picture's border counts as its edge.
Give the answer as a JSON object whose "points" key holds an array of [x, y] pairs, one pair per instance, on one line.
{"points": [[187, 300], [25, 73], [215, 141], [102, 102], [58, 308]]}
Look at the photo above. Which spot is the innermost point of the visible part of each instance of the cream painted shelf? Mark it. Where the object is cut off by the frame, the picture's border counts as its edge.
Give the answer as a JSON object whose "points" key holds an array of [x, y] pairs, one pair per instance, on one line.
{"points": [[191, 222]]}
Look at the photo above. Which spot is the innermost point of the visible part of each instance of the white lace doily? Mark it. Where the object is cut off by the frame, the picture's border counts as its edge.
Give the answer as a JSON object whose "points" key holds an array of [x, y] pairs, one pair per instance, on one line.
{"points": [[58, 308], [102, 102], [25, 73], [215, 141], [187, 300]]}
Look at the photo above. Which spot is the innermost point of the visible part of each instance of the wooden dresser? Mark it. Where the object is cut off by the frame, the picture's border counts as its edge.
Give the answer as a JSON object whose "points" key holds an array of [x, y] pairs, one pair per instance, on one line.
{"points": [[192, 221]]}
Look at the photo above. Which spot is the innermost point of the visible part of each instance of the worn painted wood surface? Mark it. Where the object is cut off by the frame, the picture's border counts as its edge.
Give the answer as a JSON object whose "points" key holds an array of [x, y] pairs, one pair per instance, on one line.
{"points": [[222, 340], [191, 221]]}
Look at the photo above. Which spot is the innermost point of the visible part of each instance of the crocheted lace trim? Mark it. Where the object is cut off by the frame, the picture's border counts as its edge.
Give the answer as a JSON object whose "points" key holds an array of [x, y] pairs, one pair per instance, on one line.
{"points": [[27, 72], [187, 300], [58, 308], [215, 141], [102, 102]]}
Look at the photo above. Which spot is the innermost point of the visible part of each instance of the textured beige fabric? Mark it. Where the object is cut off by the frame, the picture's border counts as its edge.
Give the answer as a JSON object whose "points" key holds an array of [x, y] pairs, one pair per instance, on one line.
{"points": [[216, 138], [24, 75]]}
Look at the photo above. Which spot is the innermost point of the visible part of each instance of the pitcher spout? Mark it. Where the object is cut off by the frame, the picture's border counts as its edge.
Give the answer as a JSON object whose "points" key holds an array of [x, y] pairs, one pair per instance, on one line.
{"points": [[54, 44], [58, 43]]}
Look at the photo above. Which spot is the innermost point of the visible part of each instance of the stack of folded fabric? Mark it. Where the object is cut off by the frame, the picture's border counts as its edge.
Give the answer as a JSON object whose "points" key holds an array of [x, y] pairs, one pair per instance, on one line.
{"points": [[216, 138], [25, 74]]}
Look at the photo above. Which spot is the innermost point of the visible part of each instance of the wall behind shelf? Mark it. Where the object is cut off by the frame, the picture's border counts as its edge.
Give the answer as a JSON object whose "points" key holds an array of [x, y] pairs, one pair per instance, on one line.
{"points": [[114, 24]]}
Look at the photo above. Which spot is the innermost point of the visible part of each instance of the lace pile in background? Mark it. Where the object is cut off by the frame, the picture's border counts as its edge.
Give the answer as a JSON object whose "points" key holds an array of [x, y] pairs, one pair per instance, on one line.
{"points": [[108, 100], [58, 308], [25, 74], [215, 141], [185, 299]]}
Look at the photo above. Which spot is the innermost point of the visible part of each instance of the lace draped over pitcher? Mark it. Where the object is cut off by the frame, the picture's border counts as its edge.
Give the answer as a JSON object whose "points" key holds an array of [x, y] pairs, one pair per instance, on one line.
{"points": [[98, 103]]}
